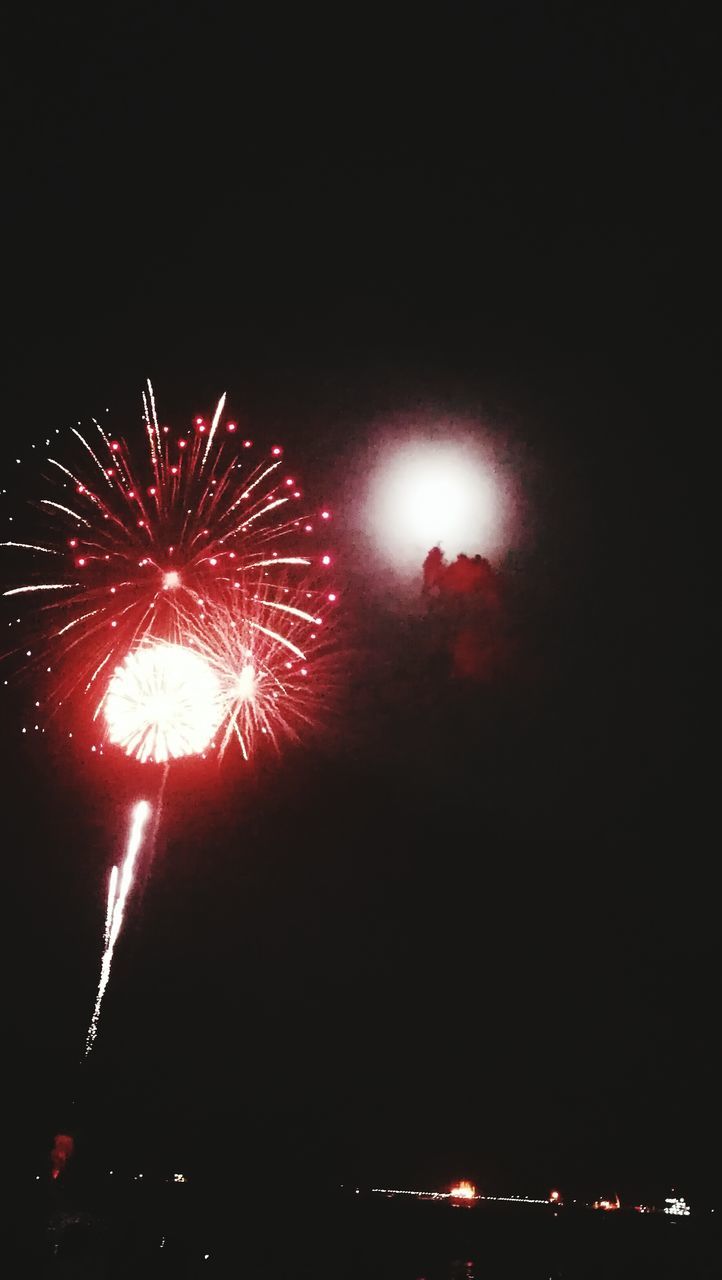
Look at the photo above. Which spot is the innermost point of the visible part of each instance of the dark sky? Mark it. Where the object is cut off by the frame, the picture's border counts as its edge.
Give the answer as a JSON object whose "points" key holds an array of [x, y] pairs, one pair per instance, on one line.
{"points": [[474, 932]]}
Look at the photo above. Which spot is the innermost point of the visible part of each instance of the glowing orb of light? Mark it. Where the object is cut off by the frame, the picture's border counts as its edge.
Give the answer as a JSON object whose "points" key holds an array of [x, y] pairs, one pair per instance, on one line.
{"points": [[428, 493], [171, 579], [164, 702]]}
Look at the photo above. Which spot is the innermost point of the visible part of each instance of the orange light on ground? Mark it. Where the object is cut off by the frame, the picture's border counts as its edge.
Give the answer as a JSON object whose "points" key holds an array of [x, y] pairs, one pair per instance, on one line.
{"points": [[463, 1191], [607, 1205]]}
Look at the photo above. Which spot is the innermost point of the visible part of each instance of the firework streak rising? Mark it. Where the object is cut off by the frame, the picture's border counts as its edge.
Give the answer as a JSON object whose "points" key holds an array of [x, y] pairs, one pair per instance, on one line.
{"points": [[112, 890], [118, 891], [145, 548]]}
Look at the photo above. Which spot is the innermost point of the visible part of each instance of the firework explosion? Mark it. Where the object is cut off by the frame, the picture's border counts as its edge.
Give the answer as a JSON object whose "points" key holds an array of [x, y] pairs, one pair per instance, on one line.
{"points": [[164, 702], [260, 643], [141, 545], [171, 601]]}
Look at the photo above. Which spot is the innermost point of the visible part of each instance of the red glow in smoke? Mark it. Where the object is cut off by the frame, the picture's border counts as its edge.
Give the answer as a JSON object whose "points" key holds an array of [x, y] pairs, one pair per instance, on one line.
{"points": [[61, 1153], [464, 576], [466, 592]]}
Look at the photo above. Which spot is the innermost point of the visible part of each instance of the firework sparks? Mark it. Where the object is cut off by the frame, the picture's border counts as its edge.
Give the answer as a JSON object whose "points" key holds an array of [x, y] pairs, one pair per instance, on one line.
{"points": [[170, 571], [266, 655], [162, 703], [112, 891], [119, 889], [139, 537]]}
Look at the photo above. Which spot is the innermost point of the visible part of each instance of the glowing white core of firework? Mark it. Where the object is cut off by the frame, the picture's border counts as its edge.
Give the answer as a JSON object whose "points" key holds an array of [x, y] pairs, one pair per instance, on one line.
{"points": [[164, 702], [118, 890], [246, 687], [429, 493], [171, 579]]}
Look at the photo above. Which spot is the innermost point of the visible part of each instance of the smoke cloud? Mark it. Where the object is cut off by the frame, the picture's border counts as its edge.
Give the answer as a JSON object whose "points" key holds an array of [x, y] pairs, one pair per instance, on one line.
{"points": [[465, 596], [61, 1153]]}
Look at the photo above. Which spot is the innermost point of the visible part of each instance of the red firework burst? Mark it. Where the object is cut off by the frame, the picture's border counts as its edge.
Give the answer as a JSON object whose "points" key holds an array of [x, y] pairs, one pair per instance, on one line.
{"points": [[269, 647], [139, 543]]}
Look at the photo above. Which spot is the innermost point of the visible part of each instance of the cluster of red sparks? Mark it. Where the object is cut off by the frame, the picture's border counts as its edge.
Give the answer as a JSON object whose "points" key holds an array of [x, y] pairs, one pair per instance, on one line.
{"points": [[189, 594]]}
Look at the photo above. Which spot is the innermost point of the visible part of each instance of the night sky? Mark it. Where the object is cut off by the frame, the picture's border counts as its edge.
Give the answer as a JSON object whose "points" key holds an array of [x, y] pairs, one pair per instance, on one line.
{"points": [[470, 928]]}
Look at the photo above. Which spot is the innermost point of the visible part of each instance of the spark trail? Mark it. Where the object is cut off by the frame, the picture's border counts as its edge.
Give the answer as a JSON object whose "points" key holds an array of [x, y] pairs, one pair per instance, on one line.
{"points": [[120, 885]]}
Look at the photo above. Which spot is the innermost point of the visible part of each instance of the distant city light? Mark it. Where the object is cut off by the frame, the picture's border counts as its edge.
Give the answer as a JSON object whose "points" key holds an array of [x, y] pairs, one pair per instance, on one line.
{"points": [[677, 1206], [607, 1205], [468, 1194], [464, 1192]]}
